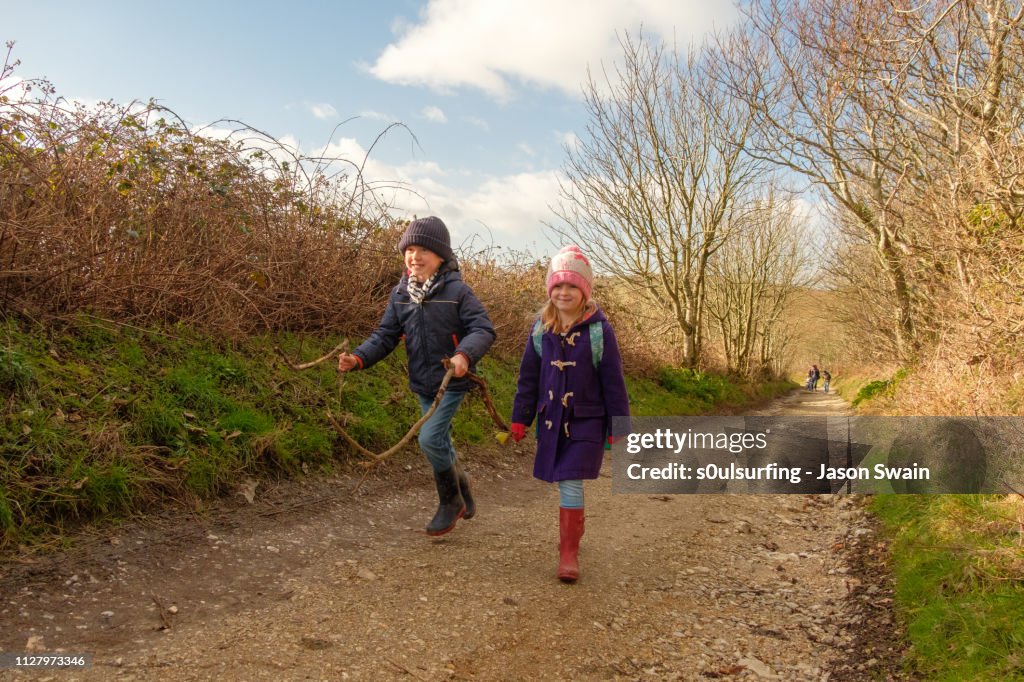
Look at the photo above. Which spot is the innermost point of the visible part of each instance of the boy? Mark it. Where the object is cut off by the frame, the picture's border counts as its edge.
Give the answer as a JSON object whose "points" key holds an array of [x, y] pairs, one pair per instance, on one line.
{"points": [[439, 317]]}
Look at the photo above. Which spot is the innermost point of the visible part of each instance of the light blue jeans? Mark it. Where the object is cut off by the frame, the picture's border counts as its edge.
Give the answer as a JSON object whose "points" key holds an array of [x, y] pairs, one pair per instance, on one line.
{"points": [[570, 494], [436, 434]]}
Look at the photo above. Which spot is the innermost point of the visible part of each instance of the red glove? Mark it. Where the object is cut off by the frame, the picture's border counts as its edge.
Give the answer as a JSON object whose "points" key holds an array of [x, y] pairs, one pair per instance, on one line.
{"points": [[517, 431], [612, 440]]}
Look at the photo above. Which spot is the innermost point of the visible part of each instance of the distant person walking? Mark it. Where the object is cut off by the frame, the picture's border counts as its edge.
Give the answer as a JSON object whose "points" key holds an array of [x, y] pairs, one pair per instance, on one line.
{"points": [[815, 376], [826, 377], [810, 379]]}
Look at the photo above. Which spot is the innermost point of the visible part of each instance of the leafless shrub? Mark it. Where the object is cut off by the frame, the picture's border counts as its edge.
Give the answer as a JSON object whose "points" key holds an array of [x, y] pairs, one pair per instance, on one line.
{"points": [[510, 284], [124, 211]]}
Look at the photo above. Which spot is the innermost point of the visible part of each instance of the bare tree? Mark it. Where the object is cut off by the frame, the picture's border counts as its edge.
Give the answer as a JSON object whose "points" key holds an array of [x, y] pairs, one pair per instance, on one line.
{"points": [[654, 182], [818, 113], [905, 114], [964, 106], [752, 279], [861, 296]]}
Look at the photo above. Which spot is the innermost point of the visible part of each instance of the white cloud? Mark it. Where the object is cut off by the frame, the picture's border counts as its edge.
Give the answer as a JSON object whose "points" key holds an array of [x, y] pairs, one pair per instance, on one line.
{"points": [[323, 111], [284, 149], [15, 89], [478, 122], [491, 45], [320, 110], [526, 149], [377, 115], [567, 139], [510, 209], [434, 114]]}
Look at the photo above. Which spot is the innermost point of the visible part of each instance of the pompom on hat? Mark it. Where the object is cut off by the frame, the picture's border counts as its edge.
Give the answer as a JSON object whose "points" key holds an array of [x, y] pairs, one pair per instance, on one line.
{"points": [[430, 233], [570, 266]]}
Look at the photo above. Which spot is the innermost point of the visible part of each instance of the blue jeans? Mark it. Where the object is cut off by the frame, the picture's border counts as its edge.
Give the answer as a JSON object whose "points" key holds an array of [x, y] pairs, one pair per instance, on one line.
{"points": [[436, 434], [570, 494]]}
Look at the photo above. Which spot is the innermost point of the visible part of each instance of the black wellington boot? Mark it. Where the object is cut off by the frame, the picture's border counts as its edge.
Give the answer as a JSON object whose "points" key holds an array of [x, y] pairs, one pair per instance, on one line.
{"points": [[451, 507], [467, 494]]}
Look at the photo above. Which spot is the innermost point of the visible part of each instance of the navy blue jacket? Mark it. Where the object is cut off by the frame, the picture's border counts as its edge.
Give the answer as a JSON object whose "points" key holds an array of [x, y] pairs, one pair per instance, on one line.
{"points": [[450, 320]]}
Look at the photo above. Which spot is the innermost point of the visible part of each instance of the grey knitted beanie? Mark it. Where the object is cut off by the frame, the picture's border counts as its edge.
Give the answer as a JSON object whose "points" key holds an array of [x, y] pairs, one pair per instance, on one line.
{"points": [[430, 233]]}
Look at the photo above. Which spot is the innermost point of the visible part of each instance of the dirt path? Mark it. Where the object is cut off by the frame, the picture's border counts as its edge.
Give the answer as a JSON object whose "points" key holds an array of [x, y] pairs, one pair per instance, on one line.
{"points": [[312, 583]]}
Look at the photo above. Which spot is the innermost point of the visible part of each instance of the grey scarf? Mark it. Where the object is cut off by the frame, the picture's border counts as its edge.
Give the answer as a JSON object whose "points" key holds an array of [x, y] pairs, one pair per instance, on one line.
{"points": [[417, 291]]}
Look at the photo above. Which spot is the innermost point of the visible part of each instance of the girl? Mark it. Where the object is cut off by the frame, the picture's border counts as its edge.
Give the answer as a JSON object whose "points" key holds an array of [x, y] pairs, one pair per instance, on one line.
{"points": [[571, 380], [440, 317]]}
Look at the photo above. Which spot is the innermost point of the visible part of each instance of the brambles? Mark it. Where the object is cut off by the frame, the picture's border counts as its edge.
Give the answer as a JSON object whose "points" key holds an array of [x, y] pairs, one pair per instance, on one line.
{"points": [[127, 212]]}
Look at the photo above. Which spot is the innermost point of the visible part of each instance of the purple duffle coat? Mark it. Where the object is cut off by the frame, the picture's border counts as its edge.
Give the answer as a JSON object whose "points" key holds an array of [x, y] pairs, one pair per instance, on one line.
{"points": [[572, 401]]}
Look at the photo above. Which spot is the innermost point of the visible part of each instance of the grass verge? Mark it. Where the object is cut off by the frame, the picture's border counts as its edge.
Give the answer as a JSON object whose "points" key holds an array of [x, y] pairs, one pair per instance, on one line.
{"points": [[958, 567], [102, 421]]}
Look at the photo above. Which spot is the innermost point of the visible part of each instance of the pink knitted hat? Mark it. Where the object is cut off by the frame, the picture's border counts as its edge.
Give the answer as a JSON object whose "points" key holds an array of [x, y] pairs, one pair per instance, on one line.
{"points": [[571, 266]]}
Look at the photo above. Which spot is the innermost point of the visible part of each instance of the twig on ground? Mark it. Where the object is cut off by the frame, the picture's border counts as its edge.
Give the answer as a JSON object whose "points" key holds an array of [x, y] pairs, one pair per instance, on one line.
{"points": [[403, 668], [380, 457], [161, 609]]}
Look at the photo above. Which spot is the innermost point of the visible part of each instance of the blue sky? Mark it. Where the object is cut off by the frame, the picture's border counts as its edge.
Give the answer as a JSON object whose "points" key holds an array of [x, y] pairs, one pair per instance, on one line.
{"points": [[489, 88]]}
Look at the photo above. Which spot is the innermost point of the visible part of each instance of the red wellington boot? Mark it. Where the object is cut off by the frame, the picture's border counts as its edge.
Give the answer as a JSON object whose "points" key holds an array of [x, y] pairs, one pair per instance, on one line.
{"points": [[570, 526]]}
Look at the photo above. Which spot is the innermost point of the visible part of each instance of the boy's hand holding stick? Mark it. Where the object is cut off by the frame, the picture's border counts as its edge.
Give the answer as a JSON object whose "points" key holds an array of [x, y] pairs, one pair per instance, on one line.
{"points": [[458, 366]]}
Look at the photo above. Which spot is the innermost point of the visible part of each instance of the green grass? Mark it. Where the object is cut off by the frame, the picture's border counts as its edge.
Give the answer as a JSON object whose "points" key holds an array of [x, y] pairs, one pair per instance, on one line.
{"points": [[159, 421], [683, 392], [959, 573], [16, 375], [880, 388], [102, 420], [873, 486]]}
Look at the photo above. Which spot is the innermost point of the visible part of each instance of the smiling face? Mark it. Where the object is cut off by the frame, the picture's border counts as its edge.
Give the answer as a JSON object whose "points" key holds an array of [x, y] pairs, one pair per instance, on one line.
{"points": [[421, 262], [568, 299]]}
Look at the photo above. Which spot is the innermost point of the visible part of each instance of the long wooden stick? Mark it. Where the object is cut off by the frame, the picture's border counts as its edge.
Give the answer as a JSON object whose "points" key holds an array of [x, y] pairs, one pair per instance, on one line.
{"points": [[380, 457], [298, 367], [405, 439], [488, 403]]}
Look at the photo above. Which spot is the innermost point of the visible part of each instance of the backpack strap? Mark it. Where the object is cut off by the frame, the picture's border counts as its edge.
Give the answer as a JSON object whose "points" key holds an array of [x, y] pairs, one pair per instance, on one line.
{"points": [[596, 341]]}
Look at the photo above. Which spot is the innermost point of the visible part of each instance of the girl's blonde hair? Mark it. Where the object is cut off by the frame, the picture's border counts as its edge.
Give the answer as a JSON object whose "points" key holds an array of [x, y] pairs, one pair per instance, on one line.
{"points": [[549, 316]]}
